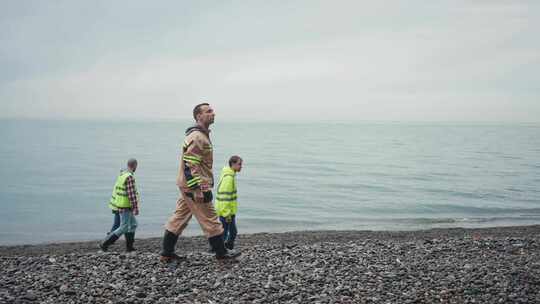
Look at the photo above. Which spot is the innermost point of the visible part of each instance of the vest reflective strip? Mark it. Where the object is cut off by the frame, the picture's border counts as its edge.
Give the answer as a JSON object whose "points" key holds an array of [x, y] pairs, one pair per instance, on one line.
{"points": [[192, 159], [194, 181], [228, 193], [226, 199]]}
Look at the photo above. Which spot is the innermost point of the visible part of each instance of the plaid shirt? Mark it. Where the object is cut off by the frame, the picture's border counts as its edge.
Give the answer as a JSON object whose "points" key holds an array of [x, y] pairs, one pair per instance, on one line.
{"points": [[132, 193]]}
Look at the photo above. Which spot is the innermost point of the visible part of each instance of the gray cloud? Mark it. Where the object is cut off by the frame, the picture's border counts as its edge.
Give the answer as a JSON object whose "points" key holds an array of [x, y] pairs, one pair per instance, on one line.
{"points": [[328, 60]]}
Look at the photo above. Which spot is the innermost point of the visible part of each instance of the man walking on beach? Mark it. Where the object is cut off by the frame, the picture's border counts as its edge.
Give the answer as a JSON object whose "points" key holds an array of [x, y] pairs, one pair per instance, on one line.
{"points": [[125, 199], [195, 180]]}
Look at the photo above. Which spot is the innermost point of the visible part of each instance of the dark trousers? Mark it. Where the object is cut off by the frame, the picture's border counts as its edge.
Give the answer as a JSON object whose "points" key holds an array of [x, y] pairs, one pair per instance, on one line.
{"points": [[229, 230]]}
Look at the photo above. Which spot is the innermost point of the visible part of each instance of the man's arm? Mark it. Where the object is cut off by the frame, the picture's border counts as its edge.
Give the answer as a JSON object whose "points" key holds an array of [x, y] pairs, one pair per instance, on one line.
{"points": [[192, 158], [132, 194]]}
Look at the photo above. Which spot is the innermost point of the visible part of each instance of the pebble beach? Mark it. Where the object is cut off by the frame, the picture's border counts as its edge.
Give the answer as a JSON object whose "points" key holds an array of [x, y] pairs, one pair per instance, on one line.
{"points": [[488, 265]]}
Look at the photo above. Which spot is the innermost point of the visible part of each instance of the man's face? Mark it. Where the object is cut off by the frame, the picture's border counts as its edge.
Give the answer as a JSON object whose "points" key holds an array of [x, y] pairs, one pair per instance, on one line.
{"points": [[237, 167], [133, 168], [207, 115]]}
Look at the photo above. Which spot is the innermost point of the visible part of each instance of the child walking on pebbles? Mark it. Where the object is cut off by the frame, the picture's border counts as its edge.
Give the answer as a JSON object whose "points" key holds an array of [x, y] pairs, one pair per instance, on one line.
{"points": [[226, 200]]}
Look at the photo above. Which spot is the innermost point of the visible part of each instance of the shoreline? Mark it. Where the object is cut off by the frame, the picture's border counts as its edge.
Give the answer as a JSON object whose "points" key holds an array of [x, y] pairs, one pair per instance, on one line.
{"points": [[455, 265], [195, 243]]}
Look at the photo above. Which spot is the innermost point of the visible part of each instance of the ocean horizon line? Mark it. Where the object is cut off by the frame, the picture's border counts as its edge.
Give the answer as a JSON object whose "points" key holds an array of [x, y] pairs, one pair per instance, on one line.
{"points": [[464, 123]]}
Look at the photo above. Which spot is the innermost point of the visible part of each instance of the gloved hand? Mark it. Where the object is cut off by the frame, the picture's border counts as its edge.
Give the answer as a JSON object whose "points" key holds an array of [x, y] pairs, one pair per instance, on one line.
{"points": [[208, 196]]}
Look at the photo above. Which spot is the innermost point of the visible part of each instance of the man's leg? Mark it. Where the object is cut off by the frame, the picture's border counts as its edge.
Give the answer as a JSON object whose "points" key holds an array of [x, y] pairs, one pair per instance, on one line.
{"points": [[225, 232], [113, 236], [130, 234], [224, 224], [173, 228], [226, 228], [212, 227], [116, 221], [229, 242]]}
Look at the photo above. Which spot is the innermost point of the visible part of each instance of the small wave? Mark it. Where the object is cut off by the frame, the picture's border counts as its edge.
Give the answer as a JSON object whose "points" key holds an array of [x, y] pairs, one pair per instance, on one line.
{"points": [[431, 220], [463, 194], [468, 220], [450, 208], [511, 157]]}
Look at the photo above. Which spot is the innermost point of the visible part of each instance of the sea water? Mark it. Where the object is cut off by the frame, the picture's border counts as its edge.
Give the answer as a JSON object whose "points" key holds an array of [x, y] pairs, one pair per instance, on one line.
{"points": [[56, 177]]}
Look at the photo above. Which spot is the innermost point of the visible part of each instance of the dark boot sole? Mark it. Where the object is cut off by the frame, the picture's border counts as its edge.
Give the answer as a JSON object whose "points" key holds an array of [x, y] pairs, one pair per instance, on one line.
{"points": [[228, 257], [166, 259]]}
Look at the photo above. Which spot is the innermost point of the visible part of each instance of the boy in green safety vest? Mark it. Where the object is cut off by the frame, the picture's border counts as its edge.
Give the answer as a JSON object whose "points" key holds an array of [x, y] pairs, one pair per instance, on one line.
{"points": [[226, 200], [124, 199]]}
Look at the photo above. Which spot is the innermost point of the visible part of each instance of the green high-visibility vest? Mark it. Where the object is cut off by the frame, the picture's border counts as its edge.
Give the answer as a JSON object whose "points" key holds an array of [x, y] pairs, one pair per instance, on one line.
{"points": [[119, 198], [227, 195]]}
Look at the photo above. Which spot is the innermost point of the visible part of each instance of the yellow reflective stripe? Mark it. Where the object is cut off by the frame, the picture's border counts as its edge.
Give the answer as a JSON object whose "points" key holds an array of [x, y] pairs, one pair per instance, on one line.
{"points": [[227, 193], [193, 181], [226, 199], [195, 178], [191, 185], [186, 144], [192, 159]]}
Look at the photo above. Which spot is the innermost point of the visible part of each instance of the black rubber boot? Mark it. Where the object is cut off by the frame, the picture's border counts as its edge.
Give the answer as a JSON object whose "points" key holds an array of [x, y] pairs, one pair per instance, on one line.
{"points": [[111, 238], [130, 239], [169, 243], [216, 242], [229, 245]]}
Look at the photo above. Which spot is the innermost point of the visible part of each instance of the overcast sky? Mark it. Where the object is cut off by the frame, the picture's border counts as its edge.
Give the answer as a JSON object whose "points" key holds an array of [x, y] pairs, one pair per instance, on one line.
{"points": [[407, 60]]}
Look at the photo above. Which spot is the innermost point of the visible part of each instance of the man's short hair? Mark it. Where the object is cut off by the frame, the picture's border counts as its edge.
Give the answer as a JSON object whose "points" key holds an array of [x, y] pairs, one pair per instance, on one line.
{"points": [[131, 162], [197, 110], [234, 160]]}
